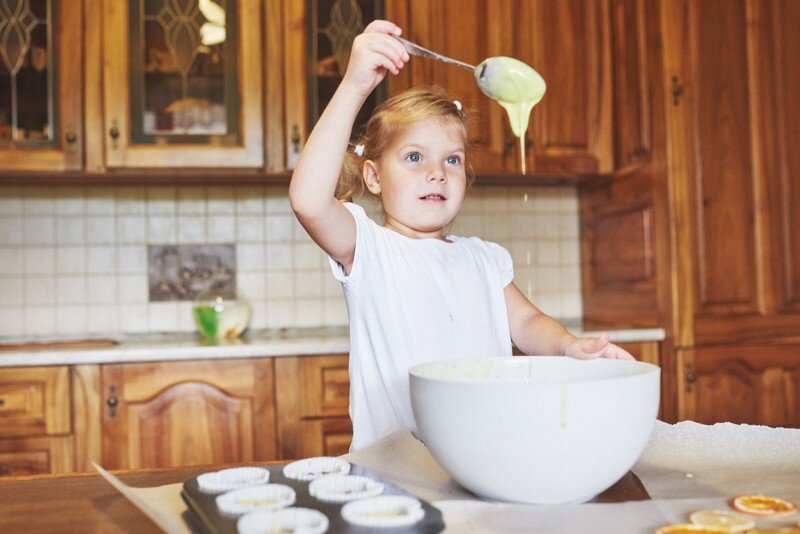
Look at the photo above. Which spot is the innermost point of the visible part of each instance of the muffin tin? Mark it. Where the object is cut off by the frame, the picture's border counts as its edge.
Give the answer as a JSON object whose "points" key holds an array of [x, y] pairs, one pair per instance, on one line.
{"points": [[205, 516]]}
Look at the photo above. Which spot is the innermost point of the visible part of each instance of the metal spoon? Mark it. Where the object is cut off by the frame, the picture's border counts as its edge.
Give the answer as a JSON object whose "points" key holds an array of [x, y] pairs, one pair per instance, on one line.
{"points": [[415, 49]]}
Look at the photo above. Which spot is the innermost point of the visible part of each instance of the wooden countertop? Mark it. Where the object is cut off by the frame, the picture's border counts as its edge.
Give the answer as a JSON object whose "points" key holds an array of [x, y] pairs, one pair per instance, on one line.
{"points": [[87, 503]]}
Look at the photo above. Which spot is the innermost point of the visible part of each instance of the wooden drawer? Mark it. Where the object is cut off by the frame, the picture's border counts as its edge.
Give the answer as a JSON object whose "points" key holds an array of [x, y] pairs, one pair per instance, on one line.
{"points": [[325, 386], [35, 456], [34, 401], [326, 437]]}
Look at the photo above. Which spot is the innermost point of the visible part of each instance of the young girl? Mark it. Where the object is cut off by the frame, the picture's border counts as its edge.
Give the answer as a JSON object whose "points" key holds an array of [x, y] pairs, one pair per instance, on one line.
{"points": [[414, 293]]}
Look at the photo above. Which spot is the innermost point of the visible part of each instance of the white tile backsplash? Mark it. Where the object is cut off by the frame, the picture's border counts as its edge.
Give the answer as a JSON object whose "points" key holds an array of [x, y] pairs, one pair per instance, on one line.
{"points": [[11, 231], [39, 261], [11, 261], [39, 231], [74, 260], [101, 231], [71, 320]]}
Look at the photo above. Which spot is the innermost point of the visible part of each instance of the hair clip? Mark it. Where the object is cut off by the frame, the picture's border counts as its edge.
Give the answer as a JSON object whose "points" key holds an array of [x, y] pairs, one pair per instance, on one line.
{"points": [[457, 104], [359, 150]]}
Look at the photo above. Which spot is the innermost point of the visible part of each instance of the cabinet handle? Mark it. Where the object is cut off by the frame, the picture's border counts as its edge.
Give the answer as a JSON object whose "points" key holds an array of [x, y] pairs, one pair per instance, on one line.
{"points": [[689, 377], [114, 133], [677, 91], [508, 145], [112, 401], [6, 470], [296, 139], [71, 137]]}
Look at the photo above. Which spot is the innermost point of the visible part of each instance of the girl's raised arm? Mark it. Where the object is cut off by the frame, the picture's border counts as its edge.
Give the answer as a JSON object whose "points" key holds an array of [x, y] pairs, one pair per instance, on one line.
{"points": [[314, 180]]}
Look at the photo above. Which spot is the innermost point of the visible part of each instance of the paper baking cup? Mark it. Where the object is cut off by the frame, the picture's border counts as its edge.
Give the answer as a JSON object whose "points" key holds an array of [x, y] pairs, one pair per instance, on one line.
{"points": [[267, 497], [385, 511], [231, 479], [342, 488], [301, 520], [313, 468]]}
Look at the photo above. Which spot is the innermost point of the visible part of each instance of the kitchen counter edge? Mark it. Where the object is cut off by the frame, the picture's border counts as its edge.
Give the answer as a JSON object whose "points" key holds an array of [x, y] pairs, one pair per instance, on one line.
{"points": [[260, 344]]}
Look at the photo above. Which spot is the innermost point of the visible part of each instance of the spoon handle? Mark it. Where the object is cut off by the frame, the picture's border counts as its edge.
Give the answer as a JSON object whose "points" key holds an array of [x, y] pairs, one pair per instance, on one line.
{"points": [[415, 49]]}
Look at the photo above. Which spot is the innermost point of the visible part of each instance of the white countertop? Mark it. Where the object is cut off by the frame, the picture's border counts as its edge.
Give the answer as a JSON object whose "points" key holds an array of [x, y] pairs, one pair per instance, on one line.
{"points": [[260, 343]]}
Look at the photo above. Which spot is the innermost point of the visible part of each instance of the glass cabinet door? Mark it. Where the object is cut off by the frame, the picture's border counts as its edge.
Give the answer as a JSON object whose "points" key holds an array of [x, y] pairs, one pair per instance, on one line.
{"points": [[40, 85], [183, 83]]}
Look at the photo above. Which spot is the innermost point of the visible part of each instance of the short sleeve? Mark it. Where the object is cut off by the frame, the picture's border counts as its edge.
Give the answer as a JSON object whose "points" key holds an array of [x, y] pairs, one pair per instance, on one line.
{"points": [[504, 262], [365, 237]]}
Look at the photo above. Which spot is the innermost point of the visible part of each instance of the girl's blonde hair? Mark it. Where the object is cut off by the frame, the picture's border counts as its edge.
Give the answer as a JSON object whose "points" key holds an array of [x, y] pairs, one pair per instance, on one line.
{"points": [[387, 121]]}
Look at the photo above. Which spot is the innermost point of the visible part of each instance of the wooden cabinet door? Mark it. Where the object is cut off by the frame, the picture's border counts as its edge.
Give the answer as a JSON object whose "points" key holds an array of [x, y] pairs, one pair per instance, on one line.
{"points": [[567, 42], [203, 101], [757, 384], [470, 32], [35, 456], [730, 66], [188, 413], [40, 87]]}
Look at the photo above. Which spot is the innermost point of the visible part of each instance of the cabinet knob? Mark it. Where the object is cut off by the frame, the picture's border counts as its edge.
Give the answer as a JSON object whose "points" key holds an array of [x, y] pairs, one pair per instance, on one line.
{"points": [[689, 377], [71, 137], [112, 401], [114, 134], [677, 91], [296, 139], [509, 143], [2, 401]]}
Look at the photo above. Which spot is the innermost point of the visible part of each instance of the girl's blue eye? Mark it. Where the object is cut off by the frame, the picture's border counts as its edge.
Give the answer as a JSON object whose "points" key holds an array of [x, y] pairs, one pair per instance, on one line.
{"points": [[453, 160], [414, 156]]}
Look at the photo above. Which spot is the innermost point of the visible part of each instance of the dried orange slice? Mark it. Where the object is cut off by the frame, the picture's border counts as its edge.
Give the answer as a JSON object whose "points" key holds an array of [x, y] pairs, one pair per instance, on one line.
{"points": [[689, 529], [763, 505], [722, 518]]}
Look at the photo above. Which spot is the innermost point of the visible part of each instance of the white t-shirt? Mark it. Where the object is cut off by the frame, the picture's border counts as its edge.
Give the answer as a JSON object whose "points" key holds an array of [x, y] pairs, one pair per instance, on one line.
{"points": [[413, 301]]}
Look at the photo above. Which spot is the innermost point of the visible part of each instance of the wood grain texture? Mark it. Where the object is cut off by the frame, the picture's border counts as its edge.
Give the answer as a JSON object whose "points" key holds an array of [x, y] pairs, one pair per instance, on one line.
{"points": [[68, 101], [296, 85], [569, 44], [87, 398], [87, 503], [275, 138], [35, 456], [184, 413], [755, 384], [287, 402], [468, 38], [325, 386], [116, 99], [35, 401], [312, 399]]}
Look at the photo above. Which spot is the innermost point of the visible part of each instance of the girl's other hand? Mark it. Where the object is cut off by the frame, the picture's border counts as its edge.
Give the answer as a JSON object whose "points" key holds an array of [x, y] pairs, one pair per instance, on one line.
{"points": [[587, 348], [374, 52]]}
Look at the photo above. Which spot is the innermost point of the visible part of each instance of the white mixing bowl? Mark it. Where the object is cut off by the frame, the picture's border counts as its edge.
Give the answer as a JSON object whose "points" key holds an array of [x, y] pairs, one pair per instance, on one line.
{"points": [[535, 429]]}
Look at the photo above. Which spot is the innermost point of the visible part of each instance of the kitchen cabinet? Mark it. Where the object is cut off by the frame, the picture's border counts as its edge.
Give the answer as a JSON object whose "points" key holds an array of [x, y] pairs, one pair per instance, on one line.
{"points": [[469, 32], [698, 224], [35, 421], [187, 413], [621, 217], [41, 104], [735, 173], [34, 401], [742, 384], [182, 84], [568, 43], [36, 456], [313, 397]]}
